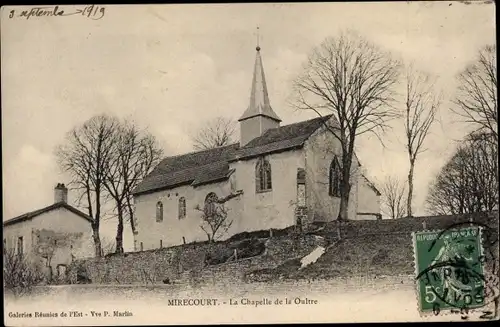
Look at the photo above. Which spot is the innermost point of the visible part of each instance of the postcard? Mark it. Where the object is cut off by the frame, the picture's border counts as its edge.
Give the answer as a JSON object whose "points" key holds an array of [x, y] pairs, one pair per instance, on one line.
{"points": [[249, 163]]}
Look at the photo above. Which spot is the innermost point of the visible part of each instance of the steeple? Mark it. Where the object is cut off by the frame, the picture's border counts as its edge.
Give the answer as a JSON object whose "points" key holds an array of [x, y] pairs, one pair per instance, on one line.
{"points": [[259, 98], [259, 116]]}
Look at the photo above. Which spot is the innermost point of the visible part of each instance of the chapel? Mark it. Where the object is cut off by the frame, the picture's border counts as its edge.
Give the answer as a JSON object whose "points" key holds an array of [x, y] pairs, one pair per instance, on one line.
{"points": [[276, 176]]}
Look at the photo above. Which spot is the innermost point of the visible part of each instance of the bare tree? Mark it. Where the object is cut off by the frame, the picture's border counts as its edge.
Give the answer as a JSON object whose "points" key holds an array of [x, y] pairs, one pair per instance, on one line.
{"points": [[217, 132], [476, 98], [393, 198], [85, 155], [352, 79], [134, 154], [214, 216], [146, 154], [469, 180], [420, 111], [215, 222]]}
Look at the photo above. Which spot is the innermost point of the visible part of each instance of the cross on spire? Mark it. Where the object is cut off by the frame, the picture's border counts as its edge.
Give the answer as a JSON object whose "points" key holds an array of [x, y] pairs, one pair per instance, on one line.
{"points": [[258, 46]]}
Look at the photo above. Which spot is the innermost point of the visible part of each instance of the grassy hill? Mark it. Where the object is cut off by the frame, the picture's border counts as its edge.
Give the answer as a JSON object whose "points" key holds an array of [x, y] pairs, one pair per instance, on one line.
{"points": [[370, 247]]}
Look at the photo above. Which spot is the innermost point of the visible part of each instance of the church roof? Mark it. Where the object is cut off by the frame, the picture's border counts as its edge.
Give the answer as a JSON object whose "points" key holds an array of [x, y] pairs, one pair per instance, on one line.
{"points": [[259, 97], [281, 138], [208, 166], [38, 212]]}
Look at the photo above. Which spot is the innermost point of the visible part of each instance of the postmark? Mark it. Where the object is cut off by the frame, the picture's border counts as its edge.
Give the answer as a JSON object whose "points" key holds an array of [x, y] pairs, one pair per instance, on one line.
{"points": [[450, 273]]}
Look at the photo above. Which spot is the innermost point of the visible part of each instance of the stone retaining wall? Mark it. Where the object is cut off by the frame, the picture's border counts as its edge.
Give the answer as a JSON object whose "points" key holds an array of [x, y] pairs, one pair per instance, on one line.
{"points": [[185, 264]]}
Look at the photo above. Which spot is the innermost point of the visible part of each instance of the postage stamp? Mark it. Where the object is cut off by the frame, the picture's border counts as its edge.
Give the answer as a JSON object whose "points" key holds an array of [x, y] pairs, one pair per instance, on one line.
{"points": [[450, 270]]}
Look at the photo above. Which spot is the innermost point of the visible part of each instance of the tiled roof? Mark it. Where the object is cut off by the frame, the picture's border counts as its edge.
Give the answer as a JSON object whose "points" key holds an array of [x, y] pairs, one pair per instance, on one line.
{"points": [[38, 212], [281, 138], [201, 167], [192, 168]]}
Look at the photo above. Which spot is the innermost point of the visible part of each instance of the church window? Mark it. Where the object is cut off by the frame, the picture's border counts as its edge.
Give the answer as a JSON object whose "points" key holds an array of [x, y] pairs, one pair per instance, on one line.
{"points": [[335, 178], [182, 207], [263, 178], [301, 187], [210, 201], [159, 212]]}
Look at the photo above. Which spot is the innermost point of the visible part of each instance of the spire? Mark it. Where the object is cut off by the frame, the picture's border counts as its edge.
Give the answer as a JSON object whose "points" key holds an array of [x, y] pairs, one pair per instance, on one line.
{"points": [[259, 98]]}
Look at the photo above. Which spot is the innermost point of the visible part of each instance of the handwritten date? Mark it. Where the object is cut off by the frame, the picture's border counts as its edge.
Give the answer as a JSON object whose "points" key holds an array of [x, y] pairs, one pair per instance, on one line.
{"points": [[92, 11]]}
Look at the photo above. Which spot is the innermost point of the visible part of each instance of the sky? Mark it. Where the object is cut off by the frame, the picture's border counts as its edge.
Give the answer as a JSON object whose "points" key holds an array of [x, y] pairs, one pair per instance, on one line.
{"points": [[171, 68]]}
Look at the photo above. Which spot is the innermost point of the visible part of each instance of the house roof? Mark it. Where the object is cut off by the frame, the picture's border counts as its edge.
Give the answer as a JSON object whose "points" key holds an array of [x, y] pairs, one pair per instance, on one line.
{"points": [[207, 166], [38, 212]]}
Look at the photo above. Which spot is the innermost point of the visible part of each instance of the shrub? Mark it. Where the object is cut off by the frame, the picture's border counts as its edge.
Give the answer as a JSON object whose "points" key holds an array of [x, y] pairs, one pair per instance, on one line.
{"points": [[19, 274]]}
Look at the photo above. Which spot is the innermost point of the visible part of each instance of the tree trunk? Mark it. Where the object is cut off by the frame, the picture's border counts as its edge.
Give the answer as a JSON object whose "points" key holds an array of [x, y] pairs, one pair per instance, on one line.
{"points": [[345, 186], [130, 209], [119, 231], [96, 224], [344, 200], [97, 240], [410, 189]]}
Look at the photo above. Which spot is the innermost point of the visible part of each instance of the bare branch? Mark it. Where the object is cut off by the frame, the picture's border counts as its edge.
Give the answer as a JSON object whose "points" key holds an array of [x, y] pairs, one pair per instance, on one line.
{"points": [[84, 155], [353, 80], [133, 155], [217, 132], [19, 274], [476, 99], [421, 105], [469, 180], [214, 215], [393, 198]]}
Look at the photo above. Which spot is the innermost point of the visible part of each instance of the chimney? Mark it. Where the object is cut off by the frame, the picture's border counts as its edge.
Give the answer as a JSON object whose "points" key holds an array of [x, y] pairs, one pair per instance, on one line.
{"points": [[60, 193]]}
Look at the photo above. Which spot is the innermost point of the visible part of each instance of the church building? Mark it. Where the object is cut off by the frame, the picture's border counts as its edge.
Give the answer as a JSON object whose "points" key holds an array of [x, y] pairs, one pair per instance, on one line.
{"points": [[274, 177]]}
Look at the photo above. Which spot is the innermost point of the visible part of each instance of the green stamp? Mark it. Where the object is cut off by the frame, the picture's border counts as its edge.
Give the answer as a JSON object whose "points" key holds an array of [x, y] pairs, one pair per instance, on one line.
{"points": [[449, 269]]}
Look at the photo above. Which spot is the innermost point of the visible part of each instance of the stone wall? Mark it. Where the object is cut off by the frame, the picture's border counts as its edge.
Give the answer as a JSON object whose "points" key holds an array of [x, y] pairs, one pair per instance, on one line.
{"points": [[186, 263], [364, 248]]}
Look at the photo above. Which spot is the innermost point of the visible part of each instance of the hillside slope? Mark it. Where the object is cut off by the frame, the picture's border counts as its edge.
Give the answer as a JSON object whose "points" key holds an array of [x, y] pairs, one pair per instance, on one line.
{"points": [[371, 248]]}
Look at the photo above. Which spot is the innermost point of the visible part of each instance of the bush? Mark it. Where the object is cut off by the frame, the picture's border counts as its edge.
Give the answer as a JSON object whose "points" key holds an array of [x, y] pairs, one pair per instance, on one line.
{"points": [[19, 275]]}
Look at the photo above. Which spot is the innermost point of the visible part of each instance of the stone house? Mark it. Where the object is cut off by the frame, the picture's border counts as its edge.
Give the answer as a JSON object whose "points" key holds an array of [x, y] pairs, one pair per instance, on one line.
{"points": [[52, 237], [275, 175]]}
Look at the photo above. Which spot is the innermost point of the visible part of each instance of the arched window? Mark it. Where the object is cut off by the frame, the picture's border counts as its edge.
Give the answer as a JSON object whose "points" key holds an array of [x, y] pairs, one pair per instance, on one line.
{"points": [[335, 178], [263, 180], [159, 212], [210, 201], [182, 207], [301, 187]]}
